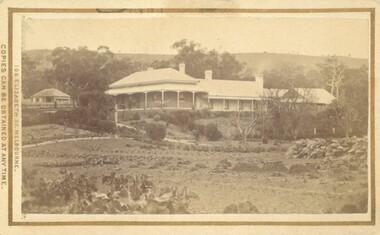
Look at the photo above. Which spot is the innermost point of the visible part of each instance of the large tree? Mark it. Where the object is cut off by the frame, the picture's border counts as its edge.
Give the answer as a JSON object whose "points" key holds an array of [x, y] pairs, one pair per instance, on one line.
{"points": [[198, 59], [333, 72], [285, 76]]}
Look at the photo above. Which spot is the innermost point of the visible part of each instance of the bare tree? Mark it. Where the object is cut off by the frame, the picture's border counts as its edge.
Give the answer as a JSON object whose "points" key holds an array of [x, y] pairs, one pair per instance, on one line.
{"points": [[333, 71], [245, 128]]}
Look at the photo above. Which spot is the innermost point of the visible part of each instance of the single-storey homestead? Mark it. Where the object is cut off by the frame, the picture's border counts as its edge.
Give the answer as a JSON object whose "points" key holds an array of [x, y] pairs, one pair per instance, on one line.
{"points": [[173, 89], [50, 96]]}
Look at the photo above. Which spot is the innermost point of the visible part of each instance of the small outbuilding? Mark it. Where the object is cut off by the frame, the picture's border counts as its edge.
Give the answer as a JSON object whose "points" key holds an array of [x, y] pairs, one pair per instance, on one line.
{"points": [[50, 96]]}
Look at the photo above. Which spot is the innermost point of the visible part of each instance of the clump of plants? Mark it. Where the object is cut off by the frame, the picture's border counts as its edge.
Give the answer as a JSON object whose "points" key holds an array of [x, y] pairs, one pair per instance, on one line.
{"points": [[124, 194], [156, 131]]}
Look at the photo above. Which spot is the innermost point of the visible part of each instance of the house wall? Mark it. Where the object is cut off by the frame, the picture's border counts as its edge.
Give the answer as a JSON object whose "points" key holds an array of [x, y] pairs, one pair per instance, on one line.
{"points": [[170, 99], [154, 99], [61, 99], [201, 101], [227, 105], [216, 105], [186, 100]]}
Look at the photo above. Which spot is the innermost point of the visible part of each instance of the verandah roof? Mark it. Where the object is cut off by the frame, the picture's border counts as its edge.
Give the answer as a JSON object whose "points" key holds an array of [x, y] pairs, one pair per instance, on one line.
{"points": [[154, 76], [156, 87]]}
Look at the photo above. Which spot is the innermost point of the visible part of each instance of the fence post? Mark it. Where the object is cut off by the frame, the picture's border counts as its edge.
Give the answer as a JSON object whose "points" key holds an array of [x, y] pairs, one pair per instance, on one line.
{"points": [[333, 130], [315, 131]]}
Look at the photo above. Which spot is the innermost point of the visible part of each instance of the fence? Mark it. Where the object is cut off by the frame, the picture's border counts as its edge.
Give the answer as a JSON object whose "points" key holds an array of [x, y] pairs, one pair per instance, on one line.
{"points": [[50, 105]]}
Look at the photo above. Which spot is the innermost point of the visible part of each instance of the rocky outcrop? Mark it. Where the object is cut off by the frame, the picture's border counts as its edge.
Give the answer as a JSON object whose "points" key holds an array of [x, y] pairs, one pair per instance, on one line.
{"points": [[355, 148]]}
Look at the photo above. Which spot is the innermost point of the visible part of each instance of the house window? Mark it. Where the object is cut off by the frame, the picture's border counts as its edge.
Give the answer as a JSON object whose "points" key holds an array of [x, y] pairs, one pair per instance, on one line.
{"points": [[155, 97], [211, 104], [181, 96], [241, 104], [255, 106], [227, 105]]}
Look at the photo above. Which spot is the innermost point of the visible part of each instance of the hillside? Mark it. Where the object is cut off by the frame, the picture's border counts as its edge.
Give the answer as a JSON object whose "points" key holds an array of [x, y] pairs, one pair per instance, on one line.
{"points": [[259, 62]]}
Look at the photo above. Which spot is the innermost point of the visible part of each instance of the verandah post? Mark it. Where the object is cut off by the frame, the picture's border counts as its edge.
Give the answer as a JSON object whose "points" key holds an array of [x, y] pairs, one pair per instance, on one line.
{"points": [[178, 99], [193, 99], [146, 100], [116, 114], [162, 99]]}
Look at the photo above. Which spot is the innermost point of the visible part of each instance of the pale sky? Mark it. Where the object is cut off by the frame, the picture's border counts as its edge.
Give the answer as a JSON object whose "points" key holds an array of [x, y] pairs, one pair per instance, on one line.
{"points": [[307, 36]]}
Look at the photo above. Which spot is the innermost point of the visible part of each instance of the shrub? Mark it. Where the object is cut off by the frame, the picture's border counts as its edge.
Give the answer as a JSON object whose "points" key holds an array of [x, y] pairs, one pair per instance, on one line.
{"points": [[156, 131], [212, 132], [106, 126], [136, 116], [156, 118]]}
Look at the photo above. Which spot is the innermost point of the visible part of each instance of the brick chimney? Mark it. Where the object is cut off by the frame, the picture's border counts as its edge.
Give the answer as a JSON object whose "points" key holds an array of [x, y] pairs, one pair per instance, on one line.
{"points": [[208, 74], [260, 80], [182, 68]]}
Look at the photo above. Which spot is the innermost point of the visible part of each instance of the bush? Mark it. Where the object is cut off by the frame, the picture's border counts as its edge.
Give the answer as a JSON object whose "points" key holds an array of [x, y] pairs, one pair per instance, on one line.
{"points": [[136, 116], [156, 118], [156, 131], [212, 132], [106, 126]]}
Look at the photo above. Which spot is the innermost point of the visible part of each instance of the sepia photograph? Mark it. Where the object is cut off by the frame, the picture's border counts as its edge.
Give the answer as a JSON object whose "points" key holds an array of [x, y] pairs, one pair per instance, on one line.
{"points": [[182, 114]]}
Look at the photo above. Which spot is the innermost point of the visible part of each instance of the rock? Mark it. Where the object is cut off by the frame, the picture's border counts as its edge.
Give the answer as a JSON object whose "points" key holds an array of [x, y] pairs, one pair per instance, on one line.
{"points": [[319, 148], [241, 208], [247, 208], [231, 209]]}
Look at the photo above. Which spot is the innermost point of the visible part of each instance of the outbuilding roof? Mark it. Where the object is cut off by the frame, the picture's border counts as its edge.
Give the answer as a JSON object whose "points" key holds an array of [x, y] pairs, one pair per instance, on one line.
{"points": [[316, 95], [50, 92], [154, 76], [310, 95]]}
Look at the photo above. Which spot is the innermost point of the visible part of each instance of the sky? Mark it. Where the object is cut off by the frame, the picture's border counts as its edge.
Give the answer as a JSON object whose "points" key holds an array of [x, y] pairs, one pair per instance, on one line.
{"points": [[155, 35]]}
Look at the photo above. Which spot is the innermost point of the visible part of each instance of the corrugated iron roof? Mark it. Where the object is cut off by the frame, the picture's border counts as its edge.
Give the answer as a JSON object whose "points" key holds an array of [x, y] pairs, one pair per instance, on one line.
{"points": [[50, 92], [310, 95], [153, 76], [231, 88]]}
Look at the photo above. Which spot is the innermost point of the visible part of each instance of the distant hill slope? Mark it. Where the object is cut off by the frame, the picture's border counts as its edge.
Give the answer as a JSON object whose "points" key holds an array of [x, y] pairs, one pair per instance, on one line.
{"points": [[259, 62]]}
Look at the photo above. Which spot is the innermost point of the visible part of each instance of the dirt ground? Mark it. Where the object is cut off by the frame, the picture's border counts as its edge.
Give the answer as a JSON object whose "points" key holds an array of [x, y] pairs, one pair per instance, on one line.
{"points": [[218, 178]]}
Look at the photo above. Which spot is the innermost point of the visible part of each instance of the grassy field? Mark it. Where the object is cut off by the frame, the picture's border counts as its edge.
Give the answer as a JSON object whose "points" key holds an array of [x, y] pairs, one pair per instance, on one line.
{"points": [[267, 179], [40, 133]]}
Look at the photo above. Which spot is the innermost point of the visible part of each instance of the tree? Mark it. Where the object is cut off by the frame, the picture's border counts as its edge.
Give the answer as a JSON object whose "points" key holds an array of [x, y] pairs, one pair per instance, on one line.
{"points": [[356, 85], [212, 132], [245, 127], [285, 76], [333, 71], [33, 80], [198, 59], [81, 69], [345, 114], [193, 55], [288, 111]]}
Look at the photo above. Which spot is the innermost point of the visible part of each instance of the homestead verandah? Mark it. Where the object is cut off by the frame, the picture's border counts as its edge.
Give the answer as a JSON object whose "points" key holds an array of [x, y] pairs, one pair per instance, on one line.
{"points": [[159, 100], [163, 99]]}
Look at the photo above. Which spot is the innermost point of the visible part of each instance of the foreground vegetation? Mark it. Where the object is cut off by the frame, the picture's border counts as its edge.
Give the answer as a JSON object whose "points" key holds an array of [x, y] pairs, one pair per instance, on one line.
{"points": [[126, 176]]}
